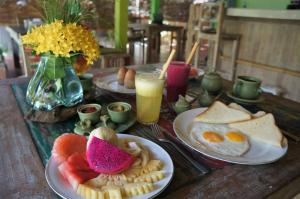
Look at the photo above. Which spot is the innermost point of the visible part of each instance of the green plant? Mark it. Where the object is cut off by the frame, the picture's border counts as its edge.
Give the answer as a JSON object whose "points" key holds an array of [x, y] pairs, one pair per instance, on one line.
{"points": [[70, 11]]}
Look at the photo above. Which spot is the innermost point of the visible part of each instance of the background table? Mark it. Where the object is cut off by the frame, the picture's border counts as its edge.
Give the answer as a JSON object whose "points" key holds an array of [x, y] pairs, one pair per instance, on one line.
{"points": [[23, 144]]}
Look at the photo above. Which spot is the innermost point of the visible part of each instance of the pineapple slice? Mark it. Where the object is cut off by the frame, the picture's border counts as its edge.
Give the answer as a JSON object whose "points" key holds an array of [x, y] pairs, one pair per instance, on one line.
{"points": [[94, 194], [153, 165], [138, 188], [80, 189], [153, 176], [88, 192], [112, 192], [132, 173]]}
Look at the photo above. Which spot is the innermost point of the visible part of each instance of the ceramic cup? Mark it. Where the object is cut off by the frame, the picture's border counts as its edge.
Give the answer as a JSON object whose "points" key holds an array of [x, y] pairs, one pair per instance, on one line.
{"points": [[247, 87], [86, 81], [119, 111], [89, 112]]}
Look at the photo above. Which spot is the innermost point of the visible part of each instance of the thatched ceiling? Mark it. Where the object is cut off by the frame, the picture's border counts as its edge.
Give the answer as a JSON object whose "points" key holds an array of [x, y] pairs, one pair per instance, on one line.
{"points": [[11, 12]]}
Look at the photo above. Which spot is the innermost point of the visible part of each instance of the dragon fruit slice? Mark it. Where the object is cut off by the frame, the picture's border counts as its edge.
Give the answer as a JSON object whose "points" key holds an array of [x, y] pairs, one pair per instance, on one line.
{"points": [[106, 158]]}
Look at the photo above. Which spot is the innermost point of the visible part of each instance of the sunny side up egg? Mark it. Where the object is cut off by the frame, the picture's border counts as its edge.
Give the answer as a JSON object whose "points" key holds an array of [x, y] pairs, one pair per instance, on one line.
{"points": [[220, 138]]}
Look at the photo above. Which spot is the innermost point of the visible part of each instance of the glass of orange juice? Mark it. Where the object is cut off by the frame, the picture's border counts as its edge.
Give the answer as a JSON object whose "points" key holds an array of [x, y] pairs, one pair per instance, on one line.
{"points": [[149, 91]]}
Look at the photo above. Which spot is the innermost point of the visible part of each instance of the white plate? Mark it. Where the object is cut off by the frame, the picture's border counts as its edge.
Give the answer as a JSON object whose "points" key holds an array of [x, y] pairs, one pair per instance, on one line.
{"points": [[61, 187], [110, 83], [259, 152]]}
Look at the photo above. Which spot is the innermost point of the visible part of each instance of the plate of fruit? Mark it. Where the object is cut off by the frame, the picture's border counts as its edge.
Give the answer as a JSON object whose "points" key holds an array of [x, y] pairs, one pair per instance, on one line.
{"points": [[107, 165], [121, 82]]}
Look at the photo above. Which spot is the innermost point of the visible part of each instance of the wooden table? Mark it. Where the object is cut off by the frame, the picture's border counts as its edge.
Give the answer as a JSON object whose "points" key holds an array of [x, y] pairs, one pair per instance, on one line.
{"points": [[152, 33], [22, 170]]}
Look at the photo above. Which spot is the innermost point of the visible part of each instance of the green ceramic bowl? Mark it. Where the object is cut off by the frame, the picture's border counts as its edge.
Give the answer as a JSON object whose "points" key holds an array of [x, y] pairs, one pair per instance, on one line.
{"points": [[86, 81], [119, 111], [89, 112]]}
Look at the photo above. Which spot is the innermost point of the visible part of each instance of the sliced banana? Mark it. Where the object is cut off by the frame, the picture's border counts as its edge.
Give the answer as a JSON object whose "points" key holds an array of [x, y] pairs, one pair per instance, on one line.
{"points": [[137, 162], [134, 149], [145, 156]]}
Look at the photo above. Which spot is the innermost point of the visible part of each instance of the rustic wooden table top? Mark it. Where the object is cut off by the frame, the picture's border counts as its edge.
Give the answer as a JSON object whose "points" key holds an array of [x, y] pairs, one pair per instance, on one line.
{"points": [[22, 169]]}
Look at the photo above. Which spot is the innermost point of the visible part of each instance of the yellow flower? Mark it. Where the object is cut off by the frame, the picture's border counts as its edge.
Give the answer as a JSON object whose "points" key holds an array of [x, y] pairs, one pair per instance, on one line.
{"points": [[63, 40]]}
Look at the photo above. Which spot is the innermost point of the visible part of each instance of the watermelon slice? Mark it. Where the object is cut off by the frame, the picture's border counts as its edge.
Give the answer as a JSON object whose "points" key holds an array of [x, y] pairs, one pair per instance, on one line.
{"points": [[66, 145], [75, 176], [106, 158], [79, 161]]}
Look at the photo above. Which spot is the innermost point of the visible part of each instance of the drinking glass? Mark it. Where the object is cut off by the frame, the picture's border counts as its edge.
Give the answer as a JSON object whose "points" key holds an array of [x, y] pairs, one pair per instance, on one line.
{"points": [[149, 91], [177, 80]]}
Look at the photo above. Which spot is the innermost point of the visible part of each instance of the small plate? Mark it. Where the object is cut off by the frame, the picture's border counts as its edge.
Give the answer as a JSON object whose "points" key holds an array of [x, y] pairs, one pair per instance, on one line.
{"points": [[110, 83], [259, 152], [244, 101], [122, 127], [61, 187]]}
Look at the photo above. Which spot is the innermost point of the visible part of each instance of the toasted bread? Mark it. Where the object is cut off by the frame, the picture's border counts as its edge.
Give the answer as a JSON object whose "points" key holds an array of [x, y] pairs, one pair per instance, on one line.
{"points": [[220, 113], [263, 129], [238, 107]]}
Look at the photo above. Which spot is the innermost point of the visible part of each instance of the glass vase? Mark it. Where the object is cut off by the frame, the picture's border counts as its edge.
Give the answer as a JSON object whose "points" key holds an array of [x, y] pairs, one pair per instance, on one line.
{"points": [[54, 83]]}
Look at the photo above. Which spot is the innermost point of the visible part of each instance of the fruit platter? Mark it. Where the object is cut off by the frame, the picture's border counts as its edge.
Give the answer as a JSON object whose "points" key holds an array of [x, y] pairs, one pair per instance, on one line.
{"points": [[107, 165]]}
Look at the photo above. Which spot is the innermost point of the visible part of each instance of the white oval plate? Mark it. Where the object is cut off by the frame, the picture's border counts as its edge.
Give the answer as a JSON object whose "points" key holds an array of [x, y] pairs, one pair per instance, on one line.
{"points": [[110, 83], [61, 187], [259, 152]]}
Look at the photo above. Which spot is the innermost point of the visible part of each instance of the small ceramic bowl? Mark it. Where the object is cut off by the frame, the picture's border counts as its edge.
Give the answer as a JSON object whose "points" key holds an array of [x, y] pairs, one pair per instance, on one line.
{"points": [[119, 111], [89, 112], [86, 81]]}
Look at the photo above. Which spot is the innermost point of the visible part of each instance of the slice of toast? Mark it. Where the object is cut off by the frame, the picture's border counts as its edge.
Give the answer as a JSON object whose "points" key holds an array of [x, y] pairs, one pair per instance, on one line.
{"points": [[220, 113], [263, 129], [238, 107]]}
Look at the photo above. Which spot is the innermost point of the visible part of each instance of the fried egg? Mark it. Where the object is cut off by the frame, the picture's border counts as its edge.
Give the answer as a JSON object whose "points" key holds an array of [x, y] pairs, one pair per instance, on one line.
{"points": [[219, 138]]}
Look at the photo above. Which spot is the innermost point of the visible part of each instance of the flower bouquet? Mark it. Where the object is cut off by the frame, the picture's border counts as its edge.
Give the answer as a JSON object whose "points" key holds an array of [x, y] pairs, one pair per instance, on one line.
{"points": [[66, 48]]}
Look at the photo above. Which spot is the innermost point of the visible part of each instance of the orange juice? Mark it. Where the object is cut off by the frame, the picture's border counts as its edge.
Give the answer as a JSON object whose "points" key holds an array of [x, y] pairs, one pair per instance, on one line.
{"points": [[149, 91]]}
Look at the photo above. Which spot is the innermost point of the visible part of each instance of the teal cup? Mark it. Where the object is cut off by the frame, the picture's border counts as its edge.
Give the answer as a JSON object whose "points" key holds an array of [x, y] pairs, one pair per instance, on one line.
{"points": [[119, 112], [90, 112], [247, 87]]}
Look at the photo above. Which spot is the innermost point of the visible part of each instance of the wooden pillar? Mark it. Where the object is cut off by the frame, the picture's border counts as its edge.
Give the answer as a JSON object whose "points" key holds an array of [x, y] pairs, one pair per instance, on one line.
{"points": [[121, 24], [155, 6]]}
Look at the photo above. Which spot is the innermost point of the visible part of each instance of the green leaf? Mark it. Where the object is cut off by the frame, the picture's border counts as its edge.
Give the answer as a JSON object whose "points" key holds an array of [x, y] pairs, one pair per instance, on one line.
{"points": [[55, 68]]}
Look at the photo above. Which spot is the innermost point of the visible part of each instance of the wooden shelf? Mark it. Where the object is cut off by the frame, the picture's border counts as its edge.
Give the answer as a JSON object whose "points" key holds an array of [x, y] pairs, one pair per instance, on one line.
{"points": [[264, 13]]}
